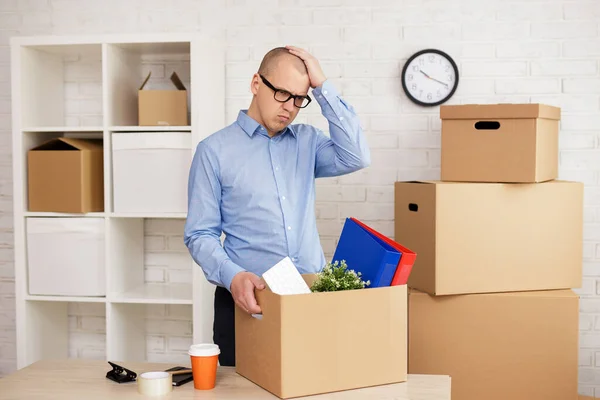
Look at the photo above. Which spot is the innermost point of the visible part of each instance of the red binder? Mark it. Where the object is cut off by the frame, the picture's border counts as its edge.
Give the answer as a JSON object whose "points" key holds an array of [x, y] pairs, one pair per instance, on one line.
{"points": [[407, 258]]}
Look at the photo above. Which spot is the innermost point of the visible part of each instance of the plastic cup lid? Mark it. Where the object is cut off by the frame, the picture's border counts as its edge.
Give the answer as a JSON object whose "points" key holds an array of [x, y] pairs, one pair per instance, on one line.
{"points": [[204, 350]]}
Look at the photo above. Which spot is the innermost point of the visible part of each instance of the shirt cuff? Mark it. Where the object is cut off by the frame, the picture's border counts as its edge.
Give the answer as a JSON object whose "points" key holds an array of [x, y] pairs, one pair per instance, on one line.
{"points": [[228, 270], [325, 91]]}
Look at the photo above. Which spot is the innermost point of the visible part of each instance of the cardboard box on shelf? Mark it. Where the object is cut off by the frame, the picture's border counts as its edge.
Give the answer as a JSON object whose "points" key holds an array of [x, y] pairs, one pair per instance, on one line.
{"points": [[491, 237], [66, 175], [517, 346], [499, 142], [312, 343], [163, 107]]}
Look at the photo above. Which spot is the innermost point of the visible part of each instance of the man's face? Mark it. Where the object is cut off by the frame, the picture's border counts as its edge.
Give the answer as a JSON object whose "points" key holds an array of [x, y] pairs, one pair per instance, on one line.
{"points": [[286, 77]]}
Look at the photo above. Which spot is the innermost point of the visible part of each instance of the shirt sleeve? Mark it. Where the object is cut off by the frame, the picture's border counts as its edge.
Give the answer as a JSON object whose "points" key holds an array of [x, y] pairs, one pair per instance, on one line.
{"points": [[202, 232], [346, 149]]}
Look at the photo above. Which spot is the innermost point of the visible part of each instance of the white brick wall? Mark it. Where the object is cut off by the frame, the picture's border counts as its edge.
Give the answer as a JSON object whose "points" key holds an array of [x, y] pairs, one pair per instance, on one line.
{"points": [[520, 51]]}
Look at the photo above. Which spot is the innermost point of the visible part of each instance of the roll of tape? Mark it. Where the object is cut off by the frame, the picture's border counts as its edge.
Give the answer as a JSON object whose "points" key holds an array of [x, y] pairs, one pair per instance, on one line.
{"points": [[155, 383]]}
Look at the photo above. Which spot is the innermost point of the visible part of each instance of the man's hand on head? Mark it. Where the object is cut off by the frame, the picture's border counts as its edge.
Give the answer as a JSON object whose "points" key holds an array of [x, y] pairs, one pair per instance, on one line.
{"points": [[315, 73], [242, 290]]}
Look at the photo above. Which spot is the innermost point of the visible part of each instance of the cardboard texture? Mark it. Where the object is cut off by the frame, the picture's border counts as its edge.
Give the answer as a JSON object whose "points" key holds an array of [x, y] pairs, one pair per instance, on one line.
{"points": [[315, 343], [491, 237], [163, 107], [517, 346], [514, 143], [66, 175], [586, 398]]}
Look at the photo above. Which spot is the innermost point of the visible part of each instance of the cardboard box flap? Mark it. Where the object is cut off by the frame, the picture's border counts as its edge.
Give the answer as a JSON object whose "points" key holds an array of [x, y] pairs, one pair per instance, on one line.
{"points": [[174, 78], [145, 80], [177, 82], [63, 143], [499, 111]]}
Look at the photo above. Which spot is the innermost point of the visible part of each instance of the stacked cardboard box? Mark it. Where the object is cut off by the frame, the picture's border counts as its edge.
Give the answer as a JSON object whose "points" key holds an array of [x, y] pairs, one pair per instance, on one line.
{"points": [[500, 241]]}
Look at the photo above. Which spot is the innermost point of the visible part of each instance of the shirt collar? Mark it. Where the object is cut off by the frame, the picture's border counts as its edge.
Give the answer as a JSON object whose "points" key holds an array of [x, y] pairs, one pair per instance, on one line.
{"points": [[250, 126]]}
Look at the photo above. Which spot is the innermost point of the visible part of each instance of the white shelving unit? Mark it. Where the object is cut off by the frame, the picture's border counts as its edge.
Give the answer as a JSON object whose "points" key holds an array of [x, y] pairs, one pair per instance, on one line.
{"points": [[43, 108]]}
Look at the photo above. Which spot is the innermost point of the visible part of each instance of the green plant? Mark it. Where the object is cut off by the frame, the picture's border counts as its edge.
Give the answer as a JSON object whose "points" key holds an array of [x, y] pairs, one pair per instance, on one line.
{"points": [[336, 276]]}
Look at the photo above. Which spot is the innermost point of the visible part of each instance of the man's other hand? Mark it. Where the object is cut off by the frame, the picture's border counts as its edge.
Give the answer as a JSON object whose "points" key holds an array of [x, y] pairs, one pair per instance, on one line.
{"points": [[242, 290]]}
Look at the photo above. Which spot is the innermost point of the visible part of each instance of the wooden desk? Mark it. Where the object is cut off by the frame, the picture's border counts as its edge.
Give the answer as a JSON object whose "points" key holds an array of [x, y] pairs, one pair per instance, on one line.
{"points": [[86, 380]]}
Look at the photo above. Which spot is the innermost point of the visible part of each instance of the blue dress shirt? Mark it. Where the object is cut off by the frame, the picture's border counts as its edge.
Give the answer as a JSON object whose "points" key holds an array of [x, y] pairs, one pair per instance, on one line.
{"points": [[260, 191]]}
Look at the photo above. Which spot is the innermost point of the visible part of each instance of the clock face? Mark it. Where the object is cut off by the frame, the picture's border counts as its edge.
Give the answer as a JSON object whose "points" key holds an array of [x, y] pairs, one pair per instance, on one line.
{"points": [[430, 77]]}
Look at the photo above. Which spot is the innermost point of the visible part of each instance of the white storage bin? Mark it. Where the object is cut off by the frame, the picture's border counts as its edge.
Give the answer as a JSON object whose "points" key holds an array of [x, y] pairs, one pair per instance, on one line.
{"points": [[66, 256], [150, 171]]}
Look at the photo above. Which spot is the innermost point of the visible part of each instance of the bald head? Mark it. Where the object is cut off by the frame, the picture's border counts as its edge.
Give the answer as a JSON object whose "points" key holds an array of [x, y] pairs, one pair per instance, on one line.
{"points": [[280, 57]]}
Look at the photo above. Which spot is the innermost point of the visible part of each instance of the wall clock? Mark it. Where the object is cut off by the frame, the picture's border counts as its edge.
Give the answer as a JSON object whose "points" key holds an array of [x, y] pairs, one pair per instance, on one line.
{"points": [[429, 77]]}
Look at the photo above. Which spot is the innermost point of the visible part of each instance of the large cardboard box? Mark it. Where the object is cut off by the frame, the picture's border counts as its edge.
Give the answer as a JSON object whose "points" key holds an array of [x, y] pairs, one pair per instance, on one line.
{"points": [[66, 175], [324, 342], [517, 346], [491, 237], [499, 142], [158, 107]]}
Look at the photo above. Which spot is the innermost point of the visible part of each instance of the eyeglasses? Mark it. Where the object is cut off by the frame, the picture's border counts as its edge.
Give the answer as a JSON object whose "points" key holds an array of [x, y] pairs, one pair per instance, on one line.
{"points": [[283, 95]]}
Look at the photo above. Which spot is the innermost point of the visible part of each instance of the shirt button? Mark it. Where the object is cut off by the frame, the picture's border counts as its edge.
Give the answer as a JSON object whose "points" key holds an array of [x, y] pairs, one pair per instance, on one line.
{"points": [[324, 91], [295, 259], [276, 168], [289, 228], [282, 197], [341, 118]]}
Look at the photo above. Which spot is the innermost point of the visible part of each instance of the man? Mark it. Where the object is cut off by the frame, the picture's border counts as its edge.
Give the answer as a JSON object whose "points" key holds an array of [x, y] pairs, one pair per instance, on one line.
{"points": [[254, 181]]}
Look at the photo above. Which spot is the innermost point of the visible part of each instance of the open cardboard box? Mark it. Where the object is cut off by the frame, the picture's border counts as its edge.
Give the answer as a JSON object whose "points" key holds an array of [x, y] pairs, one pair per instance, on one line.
{"points": [[315, 343], [66, 175], [163, 107]]}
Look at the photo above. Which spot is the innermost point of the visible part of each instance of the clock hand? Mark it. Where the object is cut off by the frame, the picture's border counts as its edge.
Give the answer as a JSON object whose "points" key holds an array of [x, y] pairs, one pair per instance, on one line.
{"points": [[433, 79]]}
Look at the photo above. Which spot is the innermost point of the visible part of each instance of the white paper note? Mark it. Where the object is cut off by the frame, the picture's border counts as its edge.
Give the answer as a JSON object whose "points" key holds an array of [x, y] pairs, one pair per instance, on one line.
{"points": [[284, 278]]}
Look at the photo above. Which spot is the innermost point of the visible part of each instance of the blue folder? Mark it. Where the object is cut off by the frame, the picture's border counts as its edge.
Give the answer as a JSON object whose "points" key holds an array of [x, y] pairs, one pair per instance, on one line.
{"points": [[366, 253]]}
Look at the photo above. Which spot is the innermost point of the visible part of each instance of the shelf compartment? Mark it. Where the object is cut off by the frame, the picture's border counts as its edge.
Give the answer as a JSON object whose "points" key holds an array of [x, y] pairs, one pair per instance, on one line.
{"points": [[126, 67], [149, 332], [61, 86], [32, 139], [57, 330], [148, 262]]}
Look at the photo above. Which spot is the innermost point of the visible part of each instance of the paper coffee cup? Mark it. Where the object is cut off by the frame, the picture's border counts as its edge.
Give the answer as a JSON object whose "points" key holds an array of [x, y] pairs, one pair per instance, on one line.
{"points": [[204, 358]]}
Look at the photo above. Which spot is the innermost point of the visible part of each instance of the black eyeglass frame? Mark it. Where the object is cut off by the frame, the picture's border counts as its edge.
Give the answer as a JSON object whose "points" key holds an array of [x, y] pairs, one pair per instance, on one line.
{"points": [[275, 90]]}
